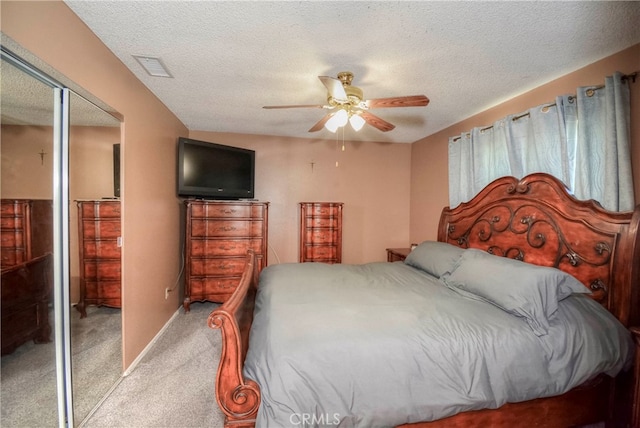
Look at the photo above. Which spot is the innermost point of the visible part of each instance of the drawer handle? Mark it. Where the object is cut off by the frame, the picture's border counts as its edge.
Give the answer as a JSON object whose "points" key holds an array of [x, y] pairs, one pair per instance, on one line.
{"points": [[222, 247], [229, 211], [227, 228]]}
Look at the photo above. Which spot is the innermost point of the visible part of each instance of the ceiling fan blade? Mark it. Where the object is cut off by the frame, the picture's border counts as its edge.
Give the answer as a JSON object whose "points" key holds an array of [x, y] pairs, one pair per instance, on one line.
{"points": [[297, 106], [318, 126], [335, 88], [376, 122], [409, 101]]}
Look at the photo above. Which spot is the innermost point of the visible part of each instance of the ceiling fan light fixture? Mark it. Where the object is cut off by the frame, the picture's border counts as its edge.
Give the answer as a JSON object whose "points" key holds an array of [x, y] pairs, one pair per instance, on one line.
{"points": [[338, 120], [357, 122]]}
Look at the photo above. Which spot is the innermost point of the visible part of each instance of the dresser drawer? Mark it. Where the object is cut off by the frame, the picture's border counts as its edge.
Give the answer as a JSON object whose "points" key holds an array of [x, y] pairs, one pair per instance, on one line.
{"points": [[226, 228], [12, 258], [12, 238], [103, 229], [12, 209], [100, 209], [226, 211], [224, 247], [203, 287], [219, 267], [101, 249], [101, 270], [329, 236], [328, 222], [324, 252], [12, 222], [322, 210], [107, 291]]}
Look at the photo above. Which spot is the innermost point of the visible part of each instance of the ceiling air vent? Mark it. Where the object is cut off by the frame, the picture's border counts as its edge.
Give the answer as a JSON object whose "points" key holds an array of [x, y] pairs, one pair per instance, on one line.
{"points": [[153, 66]]}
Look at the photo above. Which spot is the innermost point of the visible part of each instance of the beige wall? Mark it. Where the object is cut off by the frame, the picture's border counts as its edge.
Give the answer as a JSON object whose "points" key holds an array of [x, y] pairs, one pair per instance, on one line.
{"points": [[371, 179], [25, 175], [429, 170], [150, 213]]}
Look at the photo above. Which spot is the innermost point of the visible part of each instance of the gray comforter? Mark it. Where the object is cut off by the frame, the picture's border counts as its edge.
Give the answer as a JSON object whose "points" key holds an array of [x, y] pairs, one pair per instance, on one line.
{"points": [[382, 344]]}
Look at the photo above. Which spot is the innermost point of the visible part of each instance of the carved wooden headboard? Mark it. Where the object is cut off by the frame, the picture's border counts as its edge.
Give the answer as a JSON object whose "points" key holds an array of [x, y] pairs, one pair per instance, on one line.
{"points": [[537, 221]]}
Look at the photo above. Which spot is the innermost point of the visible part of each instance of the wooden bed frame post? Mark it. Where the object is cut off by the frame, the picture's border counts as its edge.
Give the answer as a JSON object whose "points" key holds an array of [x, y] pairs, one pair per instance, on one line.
{"points": [[238, 397]]}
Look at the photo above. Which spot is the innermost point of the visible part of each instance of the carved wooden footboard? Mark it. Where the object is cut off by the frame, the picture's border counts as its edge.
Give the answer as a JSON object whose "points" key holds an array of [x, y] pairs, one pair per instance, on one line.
{"points": [[238, 398], [534, 220]]}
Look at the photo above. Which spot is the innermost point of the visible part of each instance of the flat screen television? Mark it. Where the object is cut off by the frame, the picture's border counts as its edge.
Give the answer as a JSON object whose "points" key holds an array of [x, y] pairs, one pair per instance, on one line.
{"points": [[214, 171]]}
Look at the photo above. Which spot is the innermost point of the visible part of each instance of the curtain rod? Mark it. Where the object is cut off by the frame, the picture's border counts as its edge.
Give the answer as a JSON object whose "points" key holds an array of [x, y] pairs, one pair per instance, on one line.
{"points": [[590, 92]]}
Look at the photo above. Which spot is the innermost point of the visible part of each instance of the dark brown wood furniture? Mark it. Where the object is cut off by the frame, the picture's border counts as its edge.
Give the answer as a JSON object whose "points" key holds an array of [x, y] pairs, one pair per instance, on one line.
{"points": [[26, 229], [218, 235], [321, 232], [100, 270], [535, 220], [397, 254], [26, 290]]}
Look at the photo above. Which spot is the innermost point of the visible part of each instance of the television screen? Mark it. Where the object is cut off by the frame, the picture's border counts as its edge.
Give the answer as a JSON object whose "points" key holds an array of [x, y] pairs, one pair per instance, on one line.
{"points": [[214, 171]]}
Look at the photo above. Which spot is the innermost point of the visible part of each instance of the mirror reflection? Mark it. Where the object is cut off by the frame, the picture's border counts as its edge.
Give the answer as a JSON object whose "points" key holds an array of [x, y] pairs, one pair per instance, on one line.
{"points": [[28, 352], [94, 212], [28, 369]]}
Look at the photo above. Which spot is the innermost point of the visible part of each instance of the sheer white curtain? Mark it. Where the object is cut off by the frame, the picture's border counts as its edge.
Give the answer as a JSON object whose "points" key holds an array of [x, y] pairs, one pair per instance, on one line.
{"points": [[583, 140]]}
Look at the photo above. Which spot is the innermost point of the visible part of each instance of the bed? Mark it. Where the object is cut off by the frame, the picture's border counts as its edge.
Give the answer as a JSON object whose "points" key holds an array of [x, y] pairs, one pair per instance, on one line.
{"points": [[583, 325], [26, 292]]}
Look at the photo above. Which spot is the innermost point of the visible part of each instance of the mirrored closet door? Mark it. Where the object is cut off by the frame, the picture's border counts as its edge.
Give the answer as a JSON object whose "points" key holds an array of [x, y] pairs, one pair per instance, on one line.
{"points": [[57, 150], [29, 392]]}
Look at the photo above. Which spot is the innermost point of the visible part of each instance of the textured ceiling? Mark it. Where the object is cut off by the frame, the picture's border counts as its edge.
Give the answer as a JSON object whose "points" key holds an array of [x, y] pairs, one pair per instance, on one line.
{"points": [[229, 59]]}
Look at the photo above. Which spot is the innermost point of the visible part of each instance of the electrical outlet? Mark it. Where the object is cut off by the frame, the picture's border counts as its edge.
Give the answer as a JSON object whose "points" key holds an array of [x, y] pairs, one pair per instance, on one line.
{"points": [[166, 293]]}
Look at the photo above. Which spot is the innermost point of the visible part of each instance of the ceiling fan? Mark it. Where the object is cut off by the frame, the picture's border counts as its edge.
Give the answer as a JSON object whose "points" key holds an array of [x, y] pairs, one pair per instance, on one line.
{"points": [[346, 104]]}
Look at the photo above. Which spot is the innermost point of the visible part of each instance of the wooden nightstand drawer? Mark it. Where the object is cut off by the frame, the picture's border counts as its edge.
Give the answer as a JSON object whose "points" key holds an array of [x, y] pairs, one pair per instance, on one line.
{"points": [[397, 254]]}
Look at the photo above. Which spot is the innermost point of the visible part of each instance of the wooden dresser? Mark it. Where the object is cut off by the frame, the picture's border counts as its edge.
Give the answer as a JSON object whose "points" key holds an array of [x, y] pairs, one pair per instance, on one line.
{"points": [[99, 234], [217, 237], [26, 230], [321, 232]]}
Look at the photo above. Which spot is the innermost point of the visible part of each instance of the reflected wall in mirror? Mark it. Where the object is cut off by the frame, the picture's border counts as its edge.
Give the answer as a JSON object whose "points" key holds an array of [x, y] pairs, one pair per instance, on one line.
{"points": [[28, 387], [95, 254], [29, 372]]}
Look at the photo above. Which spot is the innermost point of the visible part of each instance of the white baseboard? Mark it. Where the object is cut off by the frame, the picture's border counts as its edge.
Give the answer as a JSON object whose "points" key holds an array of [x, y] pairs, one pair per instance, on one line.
{"points": [[130, 369], [147, 348]]}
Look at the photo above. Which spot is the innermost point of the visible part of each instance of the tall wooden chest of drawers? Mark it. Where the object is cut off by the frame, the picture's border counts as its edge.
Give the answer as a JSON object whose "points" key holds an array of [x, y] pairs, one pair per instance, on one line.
{"points": [[26, 230], [321, 232], [99, 233], [217, 237], [16, 231]]}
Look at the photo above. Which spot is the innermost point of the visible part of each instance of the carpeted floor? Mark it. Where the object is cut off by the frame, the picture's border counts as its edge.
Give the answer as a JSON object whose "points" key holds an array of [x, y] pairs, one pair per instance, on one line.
{"points": [[28, 384], [174, 384]]}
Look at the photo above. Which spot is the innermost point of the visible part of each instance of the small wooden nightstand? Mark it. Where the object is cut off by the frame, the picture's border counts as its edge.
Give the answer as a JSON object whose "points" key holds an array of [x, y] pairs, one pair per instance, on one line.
{"points": [[397, 254]]}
